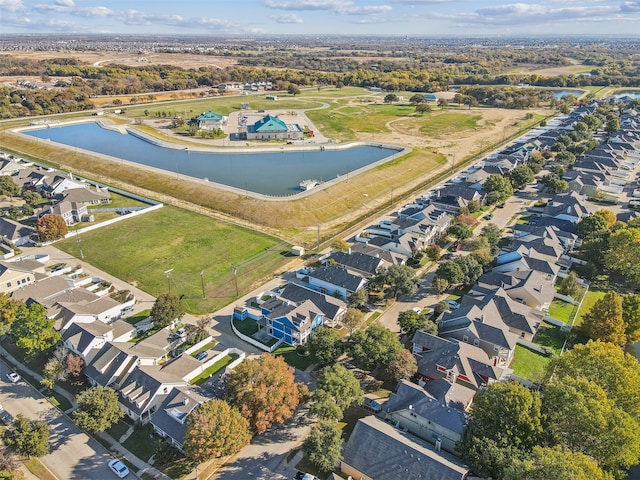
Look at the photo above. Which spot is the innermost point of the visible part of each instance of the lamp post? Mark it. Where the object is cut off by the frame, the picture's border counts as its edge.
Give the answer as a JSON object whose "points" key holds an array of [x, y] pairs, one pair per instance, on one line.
{"points": [[168, 275], [202, 282], [453, 161]]}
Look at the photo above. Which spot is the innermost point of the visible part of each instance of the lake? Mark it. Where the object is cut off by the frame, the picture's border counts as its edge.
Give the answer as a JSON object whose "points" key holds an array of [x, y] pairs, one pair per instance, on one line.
{"points": [[274, 173], [561, 93], [630, 93]]}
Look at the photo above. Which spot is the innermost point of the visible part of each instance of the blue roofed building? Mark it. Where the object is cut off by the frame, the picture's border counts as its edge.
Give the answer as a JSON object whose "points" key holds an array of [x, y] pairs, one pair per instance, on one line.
{"points": [[289, 321], [211, 121]]}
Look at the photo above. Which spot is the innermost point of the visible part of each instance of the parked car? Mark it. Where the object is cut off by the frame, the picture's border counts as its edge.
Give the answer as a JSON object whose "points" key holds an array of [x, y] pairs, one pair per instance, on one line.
{"points": [[452, 304], [304, 476], [202, 355], [6, 417], [489, 217], [119, 468], [13, 377], [448, 256]]}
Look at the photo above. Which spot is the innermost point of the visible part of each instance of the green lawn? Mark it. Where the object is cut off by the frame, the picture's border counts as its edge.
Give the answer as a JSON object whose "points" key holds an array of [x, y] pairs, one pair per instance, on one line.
{"points": [[561, 310], [550, 336], [215, 368], [141, 443], [247, 327], [529, 364], [435, 124], [141, 249], [118, 429], [209, 345], [592, 297], [301, 362], [139, 317]]}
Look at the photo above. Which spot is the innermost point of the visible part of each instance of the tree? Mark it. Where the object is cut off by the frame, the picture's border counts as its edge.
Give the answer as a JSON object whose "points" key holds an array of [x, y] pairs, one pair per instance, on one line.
{"points": [[352, 319], [293, 90], [470, 267], [570, 285], [443, 103], [460, 231], [8, 187], [341, 245], [423, 108], [390, 98], [397, 279], [374, 347], [521, 176], [578, 415], [167, 308], [554, 183], [492, 233], [74, 365], [323, 446], [29, 438], [32, 330], [264, 390], [507, 413], [623, 255], [411, 321], [433, 252], [51, 227], [631, 317], [8, 463], [590, 225], [403, 366], [604, 320], [97, 409], [606, 365], [440, 285], [358, 299], [54, 371], [417, 98], [215, 429], [31, 197], [555, 462], [325, 346], [498, 189], [450, 272], [612, 126], [340, 385]]}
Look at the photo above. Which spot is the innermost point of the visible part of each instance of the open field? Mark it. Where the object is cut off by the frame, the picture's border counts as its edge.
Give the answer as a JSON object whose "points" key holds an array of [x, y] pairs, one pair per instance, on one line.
{"points": [[344, 114], [139, 250]]}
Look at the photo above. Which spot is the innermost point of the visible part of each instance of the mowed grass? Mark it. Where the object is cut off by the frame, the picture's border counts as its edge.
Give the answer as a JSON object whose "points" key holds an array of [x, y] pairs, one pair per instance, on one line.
{"points": [[435, 124], [561, 310], [528, 364], [141, 249], [592, 297]]}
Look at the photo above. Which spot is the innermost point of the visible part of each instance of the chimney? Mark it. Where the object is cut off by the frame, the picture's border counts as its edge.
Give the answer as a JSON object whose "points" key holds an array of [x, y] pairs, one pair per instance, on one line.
{"points": [[349, 251], [186, 401]]}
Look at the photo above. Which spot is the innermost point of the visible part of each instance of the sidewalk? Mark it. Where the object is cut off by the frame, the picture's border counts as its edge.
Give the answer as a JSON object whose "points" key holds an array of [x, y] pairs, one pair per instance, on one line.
{"points": [[143, 467], [38, 377]]}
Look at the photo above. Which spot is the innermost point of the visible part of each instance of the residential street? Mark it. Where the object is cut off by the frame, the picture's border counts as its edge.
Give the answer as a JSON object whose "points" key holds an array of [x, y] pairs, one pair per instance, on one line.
{"points": [[73, 454]]}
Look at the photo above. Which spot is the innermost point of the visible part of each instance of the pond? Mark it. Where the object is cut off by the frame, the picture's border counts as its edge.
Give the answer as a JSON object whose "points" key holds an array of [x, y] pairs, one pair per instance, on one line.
{"points": [[561, 93], [630, 93], [268, 173]]}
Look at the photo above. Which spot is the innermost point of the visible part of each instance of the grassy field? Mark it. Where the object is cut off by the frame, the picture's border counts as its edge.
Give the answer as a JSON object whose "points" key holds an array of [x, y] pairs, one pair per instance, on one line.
{"points": [[529, 364], [592, 297], [139, 250]]}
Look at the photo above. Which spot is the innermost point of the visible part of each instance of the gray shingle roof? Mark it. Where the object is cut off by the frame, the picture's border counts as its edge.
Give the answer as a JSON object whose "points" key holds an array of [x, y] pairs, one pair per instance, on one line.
{"points": [[337, 276], [382, 452], [331, 307]]}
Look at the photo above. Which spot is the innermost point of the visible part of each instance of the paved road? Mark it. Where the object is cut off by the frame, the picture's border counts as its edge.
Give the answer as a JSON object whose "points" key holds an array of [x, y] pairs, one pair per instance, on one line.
{"points": [[73, 455]]}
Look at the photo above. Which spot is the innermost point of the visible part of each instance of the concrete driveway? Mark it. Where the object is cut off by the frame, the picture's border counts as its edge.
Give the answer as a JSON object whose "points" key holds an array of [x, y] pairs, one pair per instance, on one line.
{"points": [[73, 454]]}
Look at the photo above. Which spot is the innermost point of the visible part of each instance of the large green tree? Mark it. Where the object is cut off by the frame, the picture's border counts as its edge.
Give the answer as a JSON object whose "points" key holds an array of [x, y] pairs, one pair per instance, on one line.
{"points": [[29, 438], [167, 308], [623, 255], [340, 386], [32, 330], [264, 390], [604, 320], [579, 416], [325, 346], [591, 224], [498, 189], [451, 272], [374, 346], [554, 463], [97, 409], [402, 366], [608, 366], [492, 233], [215, 429], [520, 176], [352, 319], [323, 446], [460, 231], [396, 280], [631, 316]]}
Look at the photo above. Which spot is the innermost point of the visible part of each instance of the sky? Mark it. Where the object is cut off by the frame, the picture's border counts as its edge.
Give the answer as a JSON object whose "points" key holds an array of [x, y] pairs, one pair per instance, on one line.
{"points": [[322, 17]]}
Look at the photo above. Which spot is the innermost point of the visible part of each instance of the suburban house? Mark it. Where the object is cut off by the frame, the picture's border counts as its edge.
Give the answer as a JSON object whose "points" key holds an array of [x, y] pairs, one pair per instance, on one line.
{"points": [[14, 275], [379, 451], [86, 196], [452, 198], [71, 212], [272, 128], [86, 338], [406, 245], [211, 121], [59, 183], [514, 261], [356, 262], [15, 232], [332, 280], [525, 286], [455, 361], [170, 418], [9, 167], [393, 258], [439, 419], [291, 322], [571, 206], [332, 308]]}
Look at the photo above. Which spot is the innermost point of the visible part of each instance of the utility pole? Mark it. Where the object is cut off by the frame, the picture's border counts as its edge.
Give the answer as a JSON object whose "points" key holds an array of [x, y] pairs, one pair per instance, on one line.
{"points": [[318, 239], [202, 282], [168, 275], [79, 245], [234, 270]]}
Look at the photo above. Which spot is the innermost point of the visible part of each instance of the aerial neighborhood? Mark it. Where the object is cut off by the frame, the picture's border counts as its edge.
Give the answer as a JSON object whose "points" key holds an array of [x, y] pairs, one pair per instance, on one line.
{"points": [[464, 306]]}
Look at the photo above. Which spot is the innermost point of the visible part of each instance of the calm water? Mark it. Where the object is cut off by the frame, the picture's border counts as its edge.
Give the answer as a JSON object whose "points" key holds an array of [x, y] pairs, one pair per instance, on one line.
{"points": [[631, 93], [561, 93], [265, 173]]}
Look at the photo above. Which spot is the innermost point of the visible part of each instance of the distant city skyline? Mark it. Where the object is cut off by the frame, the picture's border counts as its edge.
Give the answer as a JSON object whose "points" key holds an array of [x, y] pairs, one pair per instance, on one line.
{"points": [[322, 17]]}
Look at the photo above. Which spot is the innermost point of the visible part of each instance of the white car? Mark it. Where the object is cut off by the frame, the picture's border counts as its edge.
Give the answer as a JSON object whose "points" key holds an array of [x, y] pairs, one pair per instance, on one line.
{"points": [[119, 468], [453, 305], [13, 377]]}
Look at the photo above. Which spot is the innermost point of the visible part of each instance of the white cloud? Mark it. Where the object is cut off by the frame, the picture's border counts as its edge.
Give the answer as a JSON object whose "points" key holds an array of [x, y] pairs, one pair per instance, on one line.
{"points": [[65, 3], [336, 6], [12, 5], [286, 18]]}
